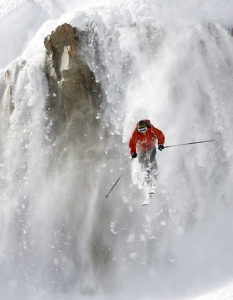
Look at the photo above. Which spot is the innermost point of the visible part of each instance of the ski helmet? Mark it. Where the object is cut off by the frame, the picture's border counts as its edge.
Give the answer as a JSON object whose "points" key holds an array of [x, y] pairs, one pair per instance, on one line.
{"points": [[142, 126]]}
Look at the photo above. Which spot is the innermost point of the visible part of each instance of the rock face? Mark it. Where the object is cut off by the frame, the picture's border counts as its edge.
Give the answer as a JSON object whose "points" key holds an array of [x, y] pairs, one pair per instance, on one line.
{"points": [[74, 106], [74, 93]]}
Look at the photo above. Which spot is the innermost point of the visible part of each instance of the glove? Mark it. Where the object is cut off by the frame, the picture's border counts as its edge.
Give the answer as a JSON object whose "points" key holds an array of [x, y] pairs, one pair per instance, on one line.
{"points": [[134, 155], [161, 147]]}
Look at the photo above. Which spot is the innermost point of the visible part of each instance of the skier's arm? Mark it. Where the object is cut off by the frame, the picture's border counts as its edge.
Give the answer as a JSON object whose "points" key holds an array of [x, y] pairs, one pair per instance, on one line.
{"points": [[132, 144], [159, 135]]}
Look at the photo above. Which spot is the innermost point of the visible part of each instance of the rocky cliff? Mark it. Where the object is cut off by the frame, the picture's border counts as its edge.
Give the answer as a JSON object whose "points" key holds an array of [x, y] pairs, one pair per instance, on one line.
{"points": [[74, 104], [74, 95]]}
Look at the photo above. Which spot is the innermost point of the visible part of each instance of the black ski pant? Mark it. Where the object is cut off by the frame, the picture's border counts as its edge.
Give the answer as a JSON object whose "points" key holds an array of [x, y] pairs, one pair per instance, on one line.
{"points": [[147, 160]]}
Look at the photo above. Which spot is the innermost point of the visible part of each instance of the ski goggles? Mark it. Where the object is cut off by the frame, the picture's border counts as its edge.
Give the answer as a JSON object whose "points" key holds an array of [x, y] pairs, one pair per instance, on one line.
{"points": [[142, 130]]}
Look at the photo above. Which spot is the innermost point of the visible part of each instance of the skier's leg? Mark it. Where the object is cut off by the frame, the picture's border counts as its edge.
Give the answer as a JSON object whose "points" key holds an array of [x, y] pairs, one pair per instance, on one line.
{"points": [[153, 161], [144, 161], [152, 156], [153, 165]]}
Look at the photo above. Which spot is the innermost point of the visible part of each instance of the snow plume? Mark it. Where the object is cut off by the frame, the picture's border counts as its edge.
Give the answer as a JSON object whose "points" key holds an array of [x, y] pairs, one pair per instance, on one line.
{"points": [[59, 236]]}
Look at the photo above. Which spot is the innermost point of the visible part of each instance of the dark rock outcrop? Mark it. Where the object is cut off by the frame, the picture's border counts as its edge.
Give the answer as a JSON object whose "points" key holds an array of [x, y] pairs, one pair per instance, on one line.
{"points": [[74, 95], [74, 105]]}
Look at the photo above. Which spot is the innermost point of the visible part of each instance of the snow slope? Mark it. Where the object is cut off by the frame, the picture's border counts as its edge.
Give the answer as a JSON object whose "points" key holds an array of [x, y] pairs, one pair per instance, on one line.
{"points": [[169, 62]]}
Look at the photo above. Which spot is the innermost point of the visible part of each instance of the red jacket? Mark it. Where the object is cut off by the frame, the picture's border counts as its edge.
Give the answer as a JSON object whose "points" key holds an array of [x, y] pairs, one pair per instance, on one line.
{"points": [[144, 142]]}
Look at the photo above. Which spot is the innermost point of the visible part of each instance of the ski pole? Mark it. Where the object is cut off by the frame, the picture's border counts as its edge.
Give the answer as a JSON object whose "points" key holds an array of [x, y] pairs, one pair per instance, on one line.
{"points": [[189, 143], [118, 178]]}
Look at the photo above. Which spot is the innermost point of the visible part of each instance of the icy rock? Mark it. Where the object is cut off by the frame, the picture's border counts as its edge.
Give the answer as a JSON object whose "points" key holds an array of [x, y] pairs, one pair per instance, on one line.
{"points": [[70, 78]]}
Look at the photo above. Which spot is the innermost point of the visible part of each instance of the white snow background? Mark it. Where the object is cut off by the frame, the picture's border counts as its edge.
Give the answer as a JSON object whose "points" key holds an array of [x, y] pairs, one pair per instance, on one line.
{"points": [[169, 61]]}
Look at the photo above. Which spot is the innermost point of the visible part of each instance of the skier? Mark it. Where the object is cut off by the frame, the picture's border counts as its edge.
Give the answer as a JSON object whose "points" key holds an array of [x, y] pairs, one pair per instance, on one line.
{"points": [[142, 145]]}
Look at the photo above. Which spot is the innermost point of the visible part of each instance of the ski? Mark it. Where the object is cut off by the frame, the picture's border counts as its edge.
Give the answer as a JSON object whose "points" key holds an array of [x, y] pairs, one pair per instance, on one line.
{"points": [[147, 200], [149, 196], [149, 184]]}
